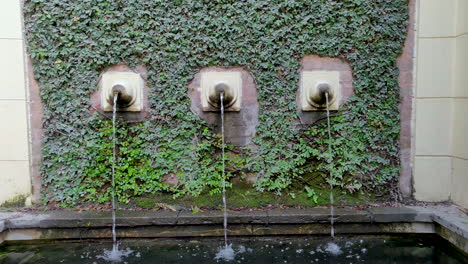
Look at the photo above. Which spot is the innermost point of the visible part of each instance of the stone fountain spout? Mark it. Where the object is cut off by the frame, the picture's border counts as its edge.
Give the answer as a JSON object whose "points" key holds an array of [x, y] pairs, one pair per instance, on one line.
{"points": [[128, 86], [125, 97], [227, 92], [318, 99], [314, 86], [239, 98]]}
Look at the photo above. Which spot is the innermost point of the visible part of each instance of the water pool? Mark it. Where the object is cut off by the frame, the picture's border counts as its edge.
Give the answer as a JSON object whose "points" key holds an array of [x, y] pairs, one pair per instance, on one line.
{"points": [[300, 249]]}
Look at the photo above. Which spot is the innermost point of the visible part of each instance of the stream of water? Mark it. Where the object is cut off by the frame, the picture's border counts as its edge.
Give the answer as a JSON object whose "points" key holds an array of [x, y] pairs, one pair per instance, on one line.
{"points": [[332, 210], [114, 153], [221, 97], [225, 253], [115, 255]]}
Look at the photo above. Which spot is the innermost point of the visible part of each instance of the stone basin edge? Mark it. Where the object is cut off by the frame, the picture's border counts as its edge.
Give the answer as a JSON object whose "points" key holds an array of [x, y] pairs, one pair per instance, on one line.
{"points": [[447, 223]]}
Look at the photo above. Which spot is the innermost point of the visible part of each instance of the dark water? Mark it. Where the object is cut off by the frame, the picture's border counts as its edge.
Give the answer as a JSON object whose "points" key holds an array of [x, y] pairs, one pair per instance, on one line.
{"points": [[355, 249]]}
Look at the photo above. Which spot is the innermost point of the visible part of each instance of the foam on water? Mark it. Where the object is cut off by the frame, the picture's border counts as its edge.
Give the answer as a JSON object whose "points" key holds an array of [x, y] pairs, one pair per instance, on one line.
{"points": [[226, 253], [241, 249], [333, 249], [115, 255]]}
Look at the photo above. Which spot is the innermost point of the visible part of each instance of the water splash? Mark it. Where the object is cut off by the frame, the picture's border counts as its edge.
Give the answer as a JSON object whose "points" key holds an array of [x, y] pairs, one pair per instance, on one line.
{"points": [[332, 210], [114, 153], [226, 253], [221, 97], [333, 249], [115, 255]]}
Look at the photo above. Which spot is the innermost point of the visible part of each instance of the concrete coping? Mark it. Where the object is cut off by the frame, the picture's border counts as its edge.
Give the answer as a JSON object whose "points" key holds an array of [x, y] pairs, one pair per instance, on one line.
{"points": [[70, 219], [449, 217]]}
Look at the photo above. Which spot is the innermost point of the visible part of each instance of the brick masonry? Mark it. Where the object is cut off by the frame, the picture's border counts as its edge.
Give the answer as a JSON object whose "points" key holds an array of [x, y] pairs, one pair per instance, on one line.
{"points": [[36, 133], [405, 63]]}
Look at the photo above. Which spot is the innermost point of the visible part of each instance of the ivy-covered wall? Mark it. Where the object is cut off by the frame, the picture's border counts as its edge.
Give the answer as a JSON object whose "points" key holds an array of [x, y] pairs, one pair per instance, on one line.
{"points": [[72, 42]]}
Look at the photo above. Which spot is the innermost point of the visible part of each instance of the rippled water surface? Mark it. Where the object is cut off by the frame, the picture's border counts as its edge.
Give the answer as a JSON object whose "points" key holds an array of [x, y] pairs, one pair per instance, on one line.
{"points": [[353, 249]]}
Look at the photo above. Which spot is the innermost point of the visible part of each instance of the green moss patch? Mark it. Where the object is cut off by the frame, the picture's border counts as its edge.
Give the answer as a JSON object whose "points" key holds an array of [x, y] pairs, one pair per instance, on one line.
{"points": [[15, 202], [245, 196]]}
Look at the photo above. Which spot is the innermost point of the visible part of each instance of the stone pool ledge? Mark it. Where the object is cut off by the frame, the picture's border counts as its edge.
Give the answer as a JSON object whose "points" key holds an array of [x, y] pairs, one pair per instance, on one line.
{"points": [[446, 221]]}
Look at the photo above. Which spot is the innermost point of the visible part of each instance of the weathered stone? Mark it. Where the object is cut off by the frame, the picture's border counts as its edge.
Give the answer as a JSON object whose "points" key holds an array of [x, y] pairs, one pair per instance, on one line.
{"points": [[217, 217], [405, 81], [253, 217], [453, 224], [446, 221], [317, 63], [314, 215], [342, 228], [36, 112], [96, 104], [24, 234], [64, 219], [240, 126], [25, 221], [398, 214], [201, 218], [459, 241]]}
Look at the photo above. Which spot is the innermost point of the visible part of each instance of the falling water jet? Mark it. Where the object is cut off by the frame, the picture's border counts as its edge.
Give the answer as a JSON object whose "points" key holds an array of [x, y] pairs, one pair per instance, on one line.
{"points": [[332, 229], [115, 255], [221, 97], [114, 152], [316, 95], [227, 253]]}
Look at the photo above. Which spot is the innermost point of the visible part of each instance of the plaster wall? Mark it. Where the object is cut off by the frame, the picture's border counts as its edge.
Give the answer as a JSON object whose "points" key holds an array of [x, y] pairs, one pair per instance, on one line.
{"points": [[441, 103], [14, 143]]}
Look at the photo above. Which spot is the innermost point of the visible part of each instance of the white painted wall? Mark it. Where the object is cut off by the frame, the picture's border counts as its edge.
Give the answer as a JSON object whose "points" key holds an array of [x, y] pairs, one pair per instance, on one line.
{"points": [[14, 139], [459, 186], [441, 121]]}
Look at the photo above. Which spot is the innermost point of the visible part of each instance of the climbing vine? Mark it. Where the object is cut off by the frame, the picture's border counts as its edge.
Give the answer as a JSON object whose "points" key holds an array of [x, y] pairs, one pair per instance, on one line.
{"points": [[72, 42]]}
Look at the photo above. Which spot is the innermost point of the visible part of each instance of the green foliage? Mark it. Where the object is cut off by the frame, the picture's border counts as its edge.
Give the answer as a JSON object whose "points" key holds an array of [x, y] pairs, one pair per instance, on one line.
{"points": [[72, 42], [311, 194]]}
